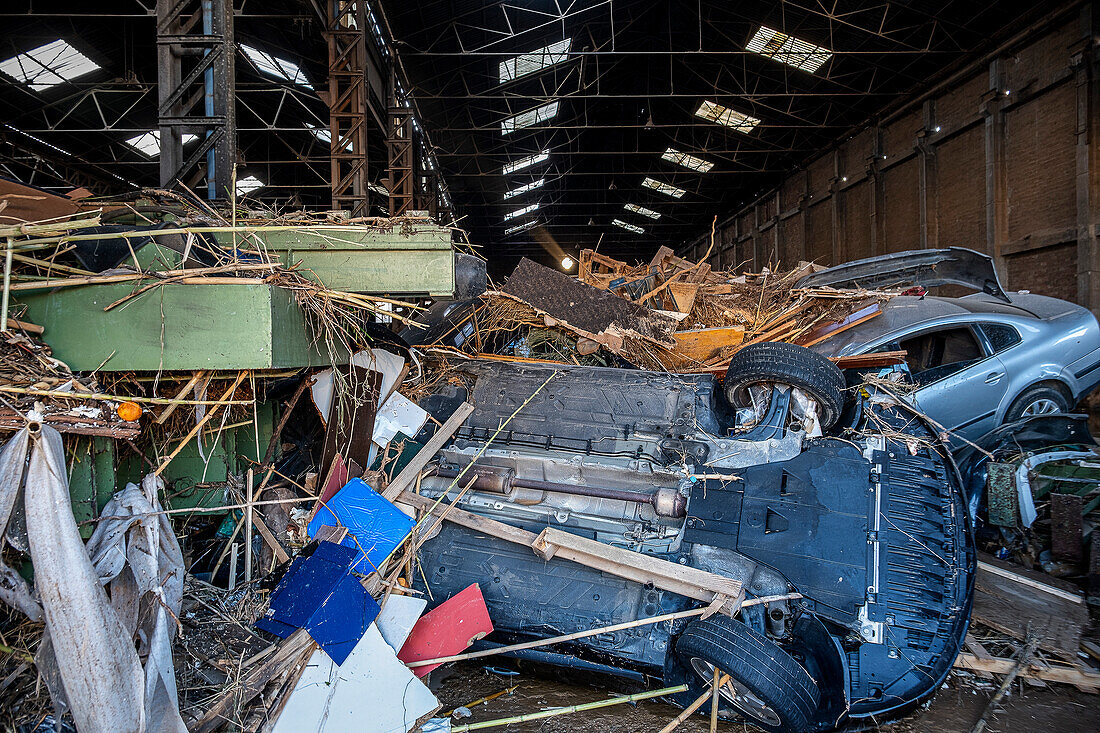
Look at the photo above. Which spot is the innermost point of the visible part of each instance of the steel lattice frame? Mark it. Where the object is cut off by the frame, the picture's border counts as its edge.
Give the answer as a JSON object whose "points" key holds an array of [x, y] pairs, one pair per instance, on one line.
{"points": [[348, 111], [196, 93]]}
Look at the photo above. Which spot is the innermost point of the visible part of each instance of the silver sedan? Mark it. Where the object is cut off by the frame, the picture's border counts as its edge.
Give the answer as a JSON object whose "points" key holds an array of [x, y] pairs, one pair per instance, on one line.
{"points": [[981, 360]]}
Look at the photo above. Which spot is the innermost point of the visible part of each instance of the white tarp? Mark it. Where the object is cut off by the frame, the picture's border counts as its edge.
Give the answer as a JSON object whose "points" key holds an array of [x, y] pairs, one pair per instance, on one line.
{"points": [[88, 655]]}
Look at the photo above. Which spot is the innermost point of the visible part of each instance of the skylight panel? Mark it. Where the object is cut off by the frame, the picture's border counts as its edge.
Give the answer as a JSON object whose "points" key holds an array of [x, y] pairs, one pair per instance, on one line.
{"points": [[325, 135], [666, 188], [788, 50], [528, 118], [520, 212], [690, 162], [277, 67], [726, 116], [149, 142], [524, 188], [627, 226], [527, 162], [655, 215], [521, 227], [247, 185], [49, 65], [537, 60]]}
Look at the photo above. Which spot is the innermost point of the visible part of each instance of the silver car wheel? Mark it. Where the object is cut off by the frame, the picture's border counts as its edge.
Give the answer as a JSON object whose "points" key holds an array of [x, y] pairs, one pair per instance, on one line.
{"points": [[1041, 407], [737, 694]]}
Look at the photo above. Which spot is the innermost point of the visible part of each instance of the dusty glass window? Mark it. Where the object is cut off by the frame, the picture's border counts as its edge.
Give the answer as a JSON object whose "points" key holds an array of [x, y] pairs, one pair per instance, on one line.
{"points": [[1001, 336]]}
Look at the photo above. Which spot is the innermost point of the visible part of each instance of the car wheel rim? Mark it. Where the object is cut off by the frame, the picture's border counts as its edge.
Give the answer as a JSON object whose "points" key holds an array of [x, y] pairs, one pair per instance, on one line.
{"points": [[1042, 407], [741, 697]]}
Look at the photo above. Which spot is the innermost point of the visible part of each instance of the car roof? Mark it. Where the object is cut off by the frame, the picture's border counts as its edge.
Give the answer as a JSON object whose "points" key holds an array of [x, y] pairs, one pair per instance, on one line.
{"points": [[905, 311]]}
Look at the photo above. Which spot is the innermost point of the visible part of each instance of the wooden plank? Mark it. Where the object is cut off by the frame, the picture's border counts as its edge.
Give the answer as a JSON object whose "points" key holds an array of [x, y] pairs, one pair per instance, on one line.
{"points": [[408, 475], [636, 566], [683, 295], [1082, 679], [1014, 602], [869, 361], [832, 329], [706, 343]]}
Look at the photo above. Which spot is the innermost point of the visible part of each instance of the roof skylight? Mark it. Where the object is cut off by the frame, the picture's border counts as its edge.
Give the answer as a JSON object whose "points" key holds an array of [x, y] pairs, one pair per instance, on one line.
{"points": [[247, 185], [690, 162], [524, 188], [528, 118], [788, 49], [149, 142], [277, 67], [49, 65], [726, 116], [655, 215], [537, 60], [666, 188], [521, 227], [325, 135], [527, 162], [520, 212], [628, 227]]}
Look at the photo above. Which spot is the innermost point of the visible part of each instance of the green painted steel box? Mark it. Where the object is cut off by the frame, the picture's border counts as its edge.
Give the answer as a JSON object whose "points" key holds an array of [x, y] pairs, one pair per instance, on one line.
{"points": [[177, 326], [408, 259]]}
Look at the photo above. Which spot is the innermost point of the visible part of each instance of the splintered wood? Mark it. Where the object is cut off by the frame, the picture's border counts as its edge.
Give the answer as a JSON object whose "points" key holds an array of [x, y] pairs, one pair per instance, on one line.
{"points": [[669, 315]]}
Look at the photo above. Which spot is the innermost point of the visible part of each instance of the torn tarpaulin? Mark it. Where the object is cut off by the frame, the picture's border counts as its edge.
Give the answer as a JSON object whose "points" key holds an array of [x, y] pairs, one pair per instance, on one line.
{"points": [[88, 656]]}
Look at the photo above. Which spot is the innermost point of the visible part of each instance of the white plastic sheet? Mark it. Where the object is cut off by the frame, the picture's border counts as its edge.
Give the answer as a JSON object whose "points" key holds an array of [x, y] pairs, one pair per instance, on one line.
{"points": [[99, 667], [88, 655]]}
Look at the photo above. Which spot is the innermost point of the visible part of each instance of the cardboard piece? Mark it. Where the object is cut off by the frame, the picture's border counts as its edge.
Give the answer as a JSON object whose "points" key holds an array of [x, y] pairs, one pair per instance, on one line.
{"points": [[399, 615], [398, 414], [318, 593], [374, 524], [371, 690], [447, 629], [389, 364]]}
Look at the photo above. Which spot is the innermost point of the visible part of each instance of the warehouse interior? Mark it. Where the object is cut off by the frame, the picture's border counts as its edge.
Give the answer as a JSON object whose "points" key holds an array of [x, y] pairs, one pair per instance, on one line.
{"points": [[214, 204]]}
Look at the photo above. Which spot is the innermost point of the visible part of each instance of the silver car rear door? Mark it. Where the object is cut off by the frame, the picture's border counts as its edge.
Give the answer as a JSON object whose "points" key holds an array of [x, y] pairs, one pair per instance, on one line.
{"points": [[960, 382]]}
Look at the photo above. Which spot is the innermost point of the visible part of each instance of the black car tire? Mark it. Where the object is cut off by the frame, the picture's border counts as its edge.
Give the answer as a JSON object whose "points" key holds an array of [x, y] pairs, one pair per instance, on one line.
{"points": [[755, 662], [1034, 394], [787, 364]]}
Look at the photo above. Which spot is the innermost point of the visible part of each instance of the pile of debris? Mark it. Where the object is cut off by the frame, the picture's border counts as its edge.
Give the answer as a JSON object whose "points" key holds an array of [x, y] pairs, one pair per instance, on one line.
{"points": [[260, 567], [670, 315]]}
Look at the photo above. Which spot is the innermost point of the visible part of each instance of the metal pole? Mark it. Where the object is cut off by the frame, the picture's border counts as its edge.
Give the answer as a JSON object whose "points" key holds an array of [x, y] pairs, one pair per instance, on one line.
{"points": [[7, 287]]}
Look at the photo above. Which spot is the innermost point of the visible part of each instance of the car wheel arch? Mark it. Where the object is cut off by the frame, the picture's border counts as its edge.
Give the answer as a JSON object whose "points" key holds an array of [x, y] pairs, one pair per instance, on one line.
{"points": [[1053, 382]]}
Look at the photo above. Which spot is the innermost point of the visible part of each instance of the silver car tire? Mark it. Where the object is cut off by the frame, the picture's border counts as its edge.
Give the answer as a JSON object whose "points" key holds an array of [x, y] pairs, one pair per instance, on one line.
{"points": [[1040, 399]]}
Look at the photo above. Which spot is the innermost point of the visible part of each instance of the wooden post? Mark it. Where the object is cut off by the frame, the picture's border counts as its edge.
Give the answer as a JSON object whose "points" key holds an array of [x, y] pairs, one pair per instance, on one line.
{"points": [[249, 497], [7, 287]]}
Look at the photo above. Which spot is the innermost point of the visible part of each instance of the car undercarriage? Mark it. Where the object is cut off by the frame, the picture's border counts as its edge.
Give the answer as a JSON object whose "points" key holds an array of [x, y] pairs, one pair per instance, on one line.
{"points": [[866, 521]]}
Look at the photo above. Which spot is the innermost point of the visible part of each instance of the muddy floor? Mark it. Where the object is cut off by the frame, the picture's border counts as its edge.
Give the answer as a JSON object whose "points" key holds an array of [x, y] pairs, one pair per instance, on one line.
{"points": [[955, 709]]}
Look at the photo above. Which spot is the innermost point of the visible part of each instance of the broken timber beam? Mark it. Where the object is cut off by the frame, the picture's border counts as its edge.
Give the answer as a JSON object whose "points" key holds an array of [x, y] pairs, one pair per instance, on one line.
{"points": [[408, 474], [639, 567], [1088, 681]]}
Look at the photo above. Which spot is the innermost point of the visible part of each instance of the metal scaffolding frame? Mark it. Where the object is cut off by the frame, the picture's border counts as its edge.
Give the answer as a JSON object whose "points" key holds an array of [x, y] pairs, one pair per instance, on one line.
{"points": [[400, 144], [345, 31], [196, 93]]}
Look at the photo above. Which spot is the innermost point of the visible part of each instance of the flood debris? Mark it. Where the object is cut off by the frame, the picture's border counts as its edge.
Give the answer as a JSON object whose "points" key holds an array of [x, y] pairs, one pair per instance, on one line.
{"points": [[282, 561]]}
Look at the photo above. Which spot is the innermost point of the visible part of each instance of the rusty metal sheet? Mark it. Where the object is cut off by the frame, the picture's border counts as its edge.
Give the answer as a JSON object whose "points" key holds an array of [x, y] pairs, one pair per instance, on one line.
{"points": [[1066, 530]]}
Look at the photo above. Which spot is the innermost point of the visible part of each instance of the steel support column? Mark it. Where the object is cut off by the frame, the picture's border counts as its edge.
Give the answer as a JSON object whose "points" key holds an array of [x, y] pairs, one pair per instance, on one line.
{"points": [[402, 168], [197, 93], [346, 30]]}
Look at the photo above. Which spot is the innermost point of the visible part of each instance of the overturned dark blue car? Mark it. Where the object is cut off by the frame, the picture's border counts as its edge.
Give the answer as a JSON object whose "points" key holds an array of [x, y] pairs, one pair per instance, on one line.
{"points": [[783, 479]]}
